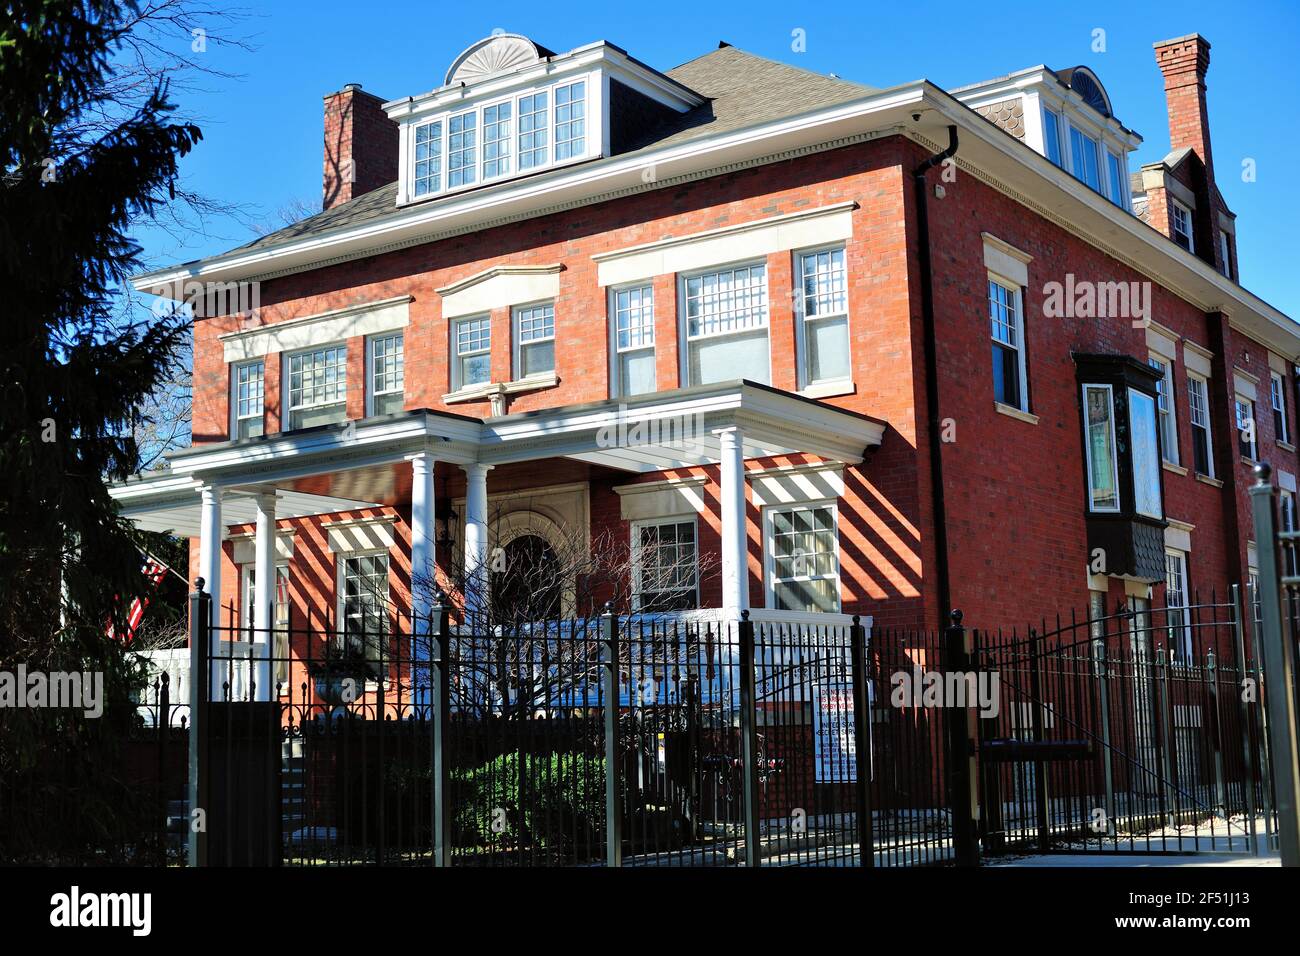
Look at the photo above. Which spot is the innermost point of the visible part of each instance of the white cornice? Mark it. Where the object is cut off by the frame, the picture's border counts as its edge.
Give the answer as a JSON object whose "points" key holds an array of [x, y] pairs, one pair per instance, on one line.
{"points": [[478, 277]]}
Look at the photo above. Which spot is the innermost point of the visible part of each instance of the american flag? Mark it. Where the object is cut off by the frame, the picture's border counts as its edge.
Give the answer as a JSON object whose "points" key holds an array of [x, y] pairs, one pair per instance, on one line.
{"points": [[154, 571]]}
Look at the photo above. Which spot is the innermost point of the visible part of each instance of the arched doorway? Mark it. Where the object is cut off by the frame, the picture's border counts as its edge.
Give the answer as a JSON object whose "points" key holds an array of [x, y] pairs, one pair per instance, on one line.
{"points": [[528, 580]]}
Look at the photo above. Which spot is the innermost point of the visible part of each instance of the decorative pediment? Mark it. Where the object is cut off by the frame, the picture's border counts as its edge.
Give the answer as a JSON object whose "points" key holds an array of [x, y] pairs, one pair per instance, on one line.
{"points": [[499, 287], [495, 54]]}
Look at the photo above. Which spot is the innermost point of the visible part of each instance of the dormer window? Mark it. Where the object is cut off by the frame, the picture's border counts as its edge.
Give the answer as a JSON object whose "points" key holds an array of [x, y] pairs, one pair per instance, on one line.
{"points": [[511, 108]]}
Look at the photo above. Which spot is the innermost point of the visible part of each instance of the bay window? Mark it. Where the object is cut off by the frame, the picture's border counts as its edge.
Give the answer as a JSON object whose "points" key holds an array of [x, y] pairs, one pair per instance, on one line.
{"points": [[534, 335], [1103, 465], [472, 362], [387, 374], [1145, 448], [1199, 418], [633, 330], [318, 386], [726, 318], [803, 558], [248, 384], [821, 278], [1006, 318]]}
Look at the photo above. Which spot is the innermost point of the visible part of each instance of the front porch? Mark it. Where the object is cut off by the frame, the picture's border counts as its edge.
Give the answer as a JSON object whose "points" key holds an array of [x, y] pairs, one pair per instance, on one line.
{"points": [[415, 486]]}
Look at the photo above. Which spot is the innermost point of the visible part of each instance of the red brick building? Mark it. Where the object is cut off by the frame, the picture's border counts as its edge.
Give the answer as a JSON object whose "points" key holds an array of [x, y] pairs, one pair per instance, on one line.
{"points": [[736, 309]]}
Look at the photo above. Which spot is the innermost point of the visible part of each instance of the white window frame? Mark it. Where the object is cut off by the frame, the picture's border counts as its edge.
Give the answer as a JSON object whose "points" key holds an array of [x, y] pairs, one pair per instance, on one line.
{"points": [[618, 388], [518, 344], [371, 391], [591, 136], [1087, 449], [1194, 380], [769, 550], [802, 320], [635, 540], [438, 160], [1059, 161], [1022, 366], [340, 575], [246, 572], [1167, 415], [1088, 138], [1237, 404], [286, 388], [457, 376], [684, 323], [260, 416], [1121, 197], [1185, 650], [548, 128], [1277, 400], [1174, 208], [512, 151], [1134, 396]]}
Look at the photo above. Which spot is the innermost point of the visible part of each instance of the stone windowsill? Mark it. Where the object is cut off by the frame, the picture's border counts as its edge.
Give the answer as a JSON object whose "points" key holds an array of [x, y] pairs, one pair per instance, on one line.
{"points": [[478, 393], [1015, 413], [828, 389], [1176, 469], [1286, 446], [1213, 482]]}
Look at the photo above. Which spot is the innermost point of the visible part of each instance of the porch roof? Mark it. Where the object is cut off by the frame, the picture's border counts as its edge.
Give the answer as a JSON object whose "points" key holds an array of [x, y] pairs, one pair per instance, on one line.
{"points": [[644, 433]]}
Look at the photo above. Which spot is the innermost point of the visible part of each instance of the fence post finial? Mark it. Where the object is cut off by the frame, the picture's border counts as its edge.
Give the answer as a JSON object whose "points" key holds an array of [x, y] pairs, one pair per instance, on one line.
{"points": [[955, 615], [1263, 472]]}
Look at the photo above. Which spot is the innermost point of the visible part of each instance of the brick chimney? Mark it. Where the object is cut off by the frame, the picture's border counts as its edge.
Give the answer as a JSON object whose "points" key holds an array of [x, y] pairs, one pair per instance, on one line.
{"points": [[361, 145], [1184, 62]]}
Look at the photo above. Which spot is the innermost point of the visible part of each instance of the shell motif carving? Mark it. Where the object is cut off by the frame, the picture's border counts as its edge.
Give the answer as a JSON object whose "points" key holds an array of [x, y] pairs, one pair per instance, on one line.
{"points": [[493, 55]]}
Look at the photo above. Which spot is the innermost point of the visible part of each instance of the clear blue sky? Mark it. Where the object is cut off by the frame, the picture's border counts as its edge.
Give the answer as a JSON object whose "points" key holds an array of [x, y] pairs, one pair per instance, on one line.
{"points": [[263, 140]]}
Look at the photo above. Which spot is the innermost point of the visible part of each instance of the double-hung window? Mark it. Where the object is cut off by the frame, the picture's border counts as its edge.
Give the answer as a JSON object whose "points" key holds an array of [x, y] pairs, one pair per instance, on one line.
{"points": [[472, 364], [1247, 442], [1165, 406], [1181, 222], [665, 563], [1006, 317], [726, 325], [1052, 135], [1102, 461], [1287, 521], [1198, 407], [1177, 615], [248, 396], [570, 120], [803, 558], [823, 304], [386, 374], [1277, 397], [318, 386], [534, 340], [633, 329], [279, 623], [1083, 151], [1225, 254], [363, 610]]}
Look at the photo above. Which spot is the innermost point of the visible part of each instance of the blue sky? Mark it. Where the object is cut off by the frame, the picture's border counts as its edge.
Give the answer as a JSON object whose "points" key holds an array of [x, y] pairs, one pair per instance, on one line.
{"points": [[262, 132]]}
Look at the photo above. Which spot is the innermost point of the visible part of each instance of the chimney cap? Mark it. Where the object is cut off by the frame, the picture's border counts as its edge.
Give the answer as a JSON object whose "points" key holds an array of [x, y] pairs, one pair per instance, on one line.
{"points": [[351, 88], [1182, 39]]}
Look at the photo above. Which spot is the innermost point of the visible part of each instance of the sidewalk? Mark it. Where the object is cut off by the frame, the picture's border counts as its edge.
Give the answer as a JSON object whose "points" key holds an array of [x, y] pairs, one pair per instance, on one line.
{"points": [[1125, 860]]}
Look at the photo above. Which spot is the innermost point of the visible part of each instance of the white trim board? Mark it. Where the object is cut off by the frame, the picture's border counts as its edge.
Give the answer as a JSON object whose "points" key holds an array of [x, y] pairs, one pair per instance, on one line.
{"points": [[498, 288], [368, 318], [750, 240]]}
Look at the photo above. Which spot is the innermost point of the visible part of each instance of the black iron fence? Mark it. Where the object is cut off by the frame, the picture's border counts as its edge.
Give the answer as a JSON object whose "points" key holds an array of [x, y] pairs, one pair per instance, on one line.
{"points": [[691, 740], [1138, 732]]}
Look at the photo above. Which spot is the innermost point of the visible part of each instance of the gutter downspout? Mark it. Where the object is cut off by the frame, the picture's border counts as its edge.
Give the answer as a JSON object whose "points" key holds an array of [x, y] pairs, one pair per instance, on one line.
{"points": [[932, 376]]}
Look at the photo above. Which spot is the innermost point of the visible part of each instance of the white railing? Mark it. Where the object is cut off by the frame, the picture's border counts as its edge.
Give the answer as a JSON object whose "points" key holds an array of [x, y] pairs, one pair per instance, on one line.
{"points": [[175, 663]]}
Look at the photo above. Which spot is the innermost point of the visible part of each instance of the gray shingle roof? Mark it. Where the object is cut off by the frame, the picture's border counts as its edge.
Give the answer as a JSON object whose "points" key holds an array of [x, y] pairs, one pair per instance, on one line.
{"points": [[741, 89]]}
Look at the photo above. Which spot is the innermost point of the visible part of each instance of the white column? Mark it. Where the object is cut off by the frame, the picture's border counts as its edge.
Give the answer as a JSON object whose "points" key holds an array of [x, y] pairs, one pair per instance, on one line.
{"points": [[735, 549], [210, 533], [264, 593], [423, 534], [476, 542]]}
